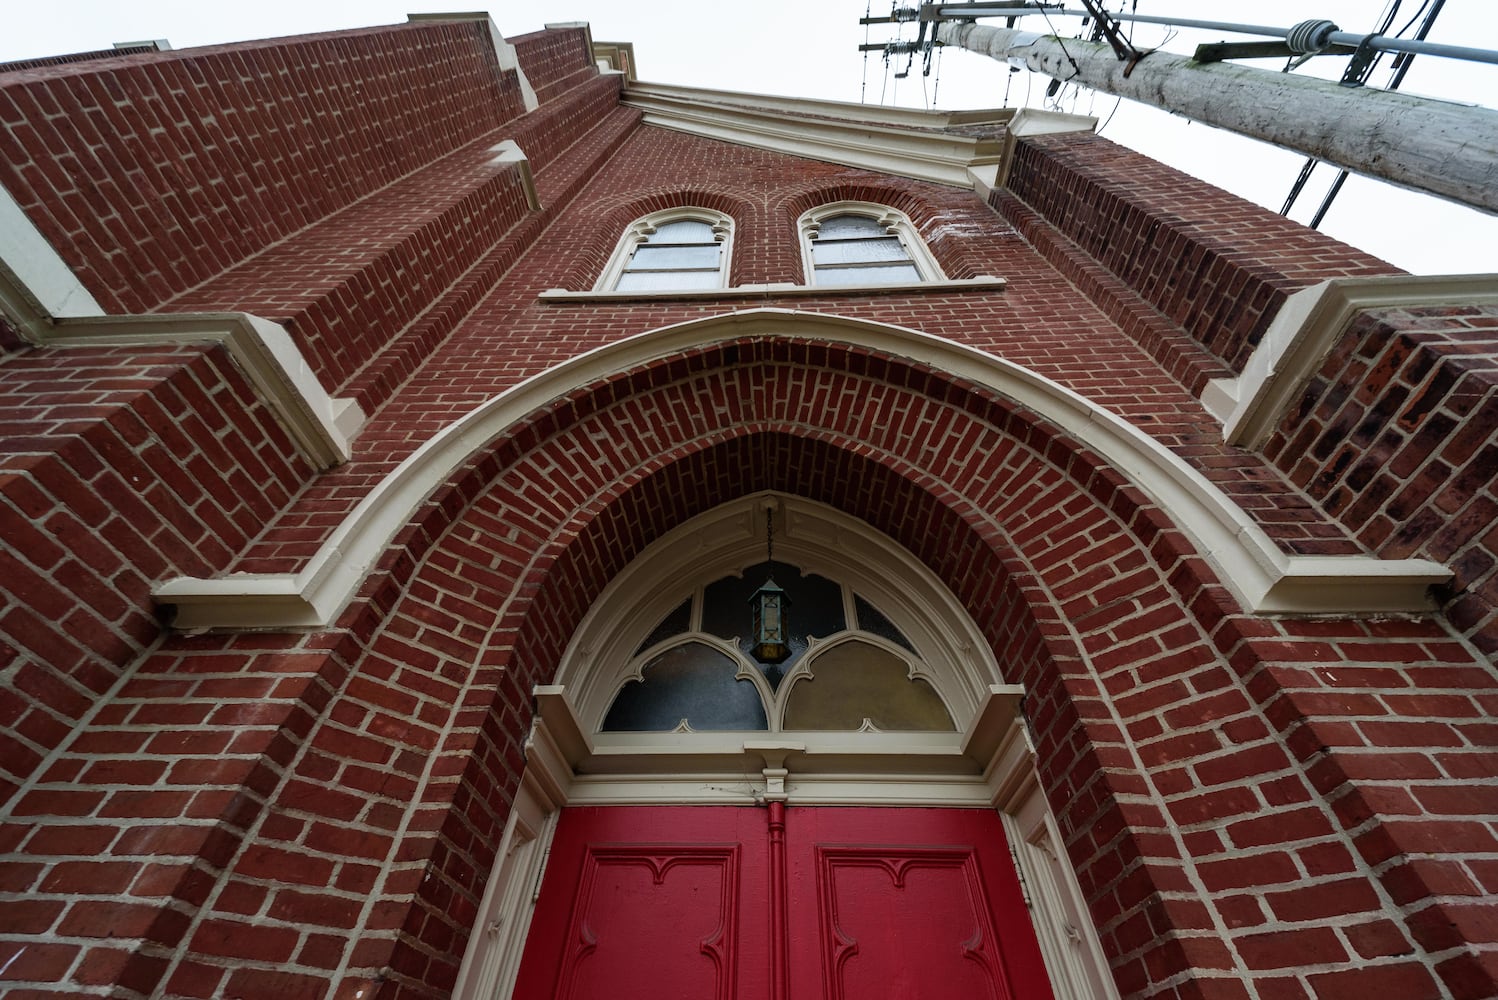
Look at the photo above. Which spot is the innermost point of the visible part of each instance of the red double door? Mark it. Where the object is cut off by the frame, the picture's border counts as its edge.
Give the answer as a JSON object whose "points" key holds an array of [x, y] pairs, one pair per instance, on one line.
{"points": [[783, 904]]}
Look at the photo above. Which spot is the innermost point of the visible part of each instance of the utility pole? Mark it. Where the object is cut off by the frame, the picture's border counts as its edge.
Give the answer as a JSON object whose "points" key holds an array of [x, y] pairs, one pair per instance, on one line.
{"points": [[1440, 148]]}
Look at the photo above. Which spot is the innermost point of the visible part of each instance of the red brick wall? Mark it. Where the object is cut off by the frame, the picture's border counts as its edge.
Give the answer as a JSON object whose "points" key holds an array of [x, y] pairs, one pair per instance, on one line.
{"points": [[1041, 321], [1397, 436], [119, 467], [1215, 265], [153, 173], [555, 61]]}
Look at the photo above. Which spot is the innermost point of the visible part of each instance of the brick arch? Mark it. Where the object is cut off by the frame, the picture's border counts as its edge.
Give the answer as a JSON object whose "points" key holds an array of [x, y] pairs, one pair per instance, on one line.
{"points": [[397, 751], [635, 456], [598, 242]]}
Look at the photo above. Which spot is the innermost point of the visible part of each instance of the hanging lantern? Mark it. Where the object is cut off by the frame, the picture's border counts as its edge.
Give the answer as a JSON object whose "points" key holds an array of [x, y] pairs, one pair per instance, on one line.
{"points": [[772, 642]]}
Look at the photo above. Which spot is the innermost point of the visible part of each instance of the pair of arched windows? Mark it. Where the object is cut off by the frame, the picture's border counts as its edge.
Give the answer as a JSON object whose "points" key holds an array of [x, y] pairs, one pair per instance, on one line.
{"points": [[842, 244]]}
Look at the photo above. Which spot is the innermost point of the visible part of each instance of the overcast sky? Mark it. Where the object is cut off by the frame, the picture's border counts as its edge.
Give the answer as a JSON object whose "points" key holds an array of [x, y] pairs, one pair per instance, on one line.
{"points": [[809, 48]]}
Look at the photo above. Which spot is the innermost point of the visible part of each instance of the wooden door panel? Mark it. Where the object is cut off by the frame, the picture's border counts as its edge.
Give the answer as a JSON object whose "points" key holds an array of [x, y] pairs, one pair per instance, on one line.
{"points": [[652, 902], [920, 903], [653, 914], [909, 923], [643, 903]]}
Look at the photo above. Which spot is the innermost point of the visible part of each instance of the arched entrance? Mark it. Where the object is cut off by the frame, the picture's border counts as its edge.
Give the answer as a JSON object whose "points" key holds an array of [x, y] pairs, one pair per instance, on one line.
{"points": [[843, 830]]}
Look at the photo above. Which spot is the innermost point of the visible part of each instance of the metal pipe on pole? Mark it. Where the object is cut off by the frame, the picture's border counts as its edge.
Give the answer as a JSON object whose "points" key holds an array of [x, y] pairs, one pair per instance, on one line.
{"points": [[1382, 43], [1449, 150]]}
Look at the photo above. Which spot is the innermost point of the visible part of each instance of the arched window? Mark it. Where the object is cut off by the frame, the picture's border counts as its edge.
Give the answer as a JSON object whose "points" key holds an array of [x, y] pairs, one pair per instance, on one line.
{"points": [[680, 248], [860, 243]]}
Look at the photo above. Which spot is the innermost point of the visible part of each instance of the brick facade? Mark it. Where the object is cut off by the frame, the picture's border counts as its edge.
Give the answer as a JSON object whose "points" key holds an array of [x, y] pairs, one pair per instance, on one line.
{"points": [[1256, 806]]}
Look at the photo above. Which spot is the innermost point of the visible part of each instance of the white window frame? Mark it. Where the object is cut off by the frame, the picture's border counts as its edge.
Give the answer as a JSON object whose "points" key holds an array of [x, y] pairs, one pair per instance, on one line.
{"points": [[895, 222], [638, 232]]}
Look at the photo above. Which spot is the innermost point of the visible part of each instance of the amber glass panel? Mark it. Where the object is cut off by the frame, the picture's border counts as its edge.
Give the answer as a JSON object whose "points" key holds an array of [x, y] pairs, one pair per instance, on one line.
{"points": [[814, 606], [677, 622], [854, 681], [871, 619], [694, 682]]}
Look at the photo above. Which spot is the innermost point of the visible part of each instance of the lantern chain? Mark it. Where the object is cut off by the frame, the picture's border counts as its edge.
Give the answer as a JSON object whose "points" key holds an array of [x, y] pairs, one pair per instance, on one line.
{"points": [[770, 538]]}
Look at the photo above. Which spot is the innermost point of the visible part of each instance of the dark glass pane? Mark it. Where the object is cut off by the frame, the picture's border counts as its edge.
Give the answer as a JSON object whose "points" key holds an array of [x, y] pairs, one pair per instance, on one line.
{"points": [[686, 231], [871, 619], [693, 682], [814, 606], [843, 276], [677, 622], [848, 227], [858, 251], [854, 681]]}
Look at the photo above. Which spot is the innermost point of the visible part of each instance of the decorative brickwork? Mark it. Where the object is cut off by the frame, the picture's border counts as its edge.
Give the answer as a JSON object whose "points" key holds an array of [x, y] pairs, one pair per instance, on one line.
{"points": [[1212, 263], [555, 61], [175, 166]]}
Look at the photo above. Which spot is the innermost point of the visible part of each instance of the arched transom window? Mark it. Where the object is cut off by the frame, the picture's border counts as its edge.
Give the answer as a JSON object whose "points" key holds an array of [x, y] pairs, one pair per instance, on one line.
{"points": [[681, 248], [859, 243], [877, 652], [848, 669]]}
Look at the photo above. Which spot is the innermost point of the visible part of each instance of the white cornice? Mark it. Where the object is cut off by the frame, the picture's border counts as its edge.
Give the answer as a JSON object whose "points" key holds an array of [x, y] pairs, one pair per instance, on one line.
{"points": [[778, 290], [871, 114], [1246, 560], [321, 426], [1304, 331], [1034, 121], [897, 141]]}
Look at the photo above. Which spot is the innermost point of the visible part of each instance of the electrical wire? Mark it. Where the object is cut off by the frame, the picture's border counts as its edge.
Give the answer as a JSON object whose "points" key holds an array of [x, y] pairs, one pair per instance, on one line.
{"points": [[863, 90], [1075, 69], [1109, 119], [936, 84]]}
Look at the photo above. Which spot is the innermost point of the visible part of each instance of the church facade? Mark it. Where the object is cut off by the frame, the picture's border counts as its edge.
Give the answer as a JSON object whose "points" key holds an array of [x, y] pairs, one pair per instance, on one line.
{"points": [[478, 524]]}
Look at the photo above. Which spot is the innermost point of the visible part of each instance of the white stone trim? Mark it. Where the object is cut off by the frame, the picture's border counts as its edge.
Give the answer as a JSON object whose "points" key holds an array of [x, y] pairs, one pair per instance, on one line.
{"points": [[35, 282], [51, 308], [1032, 121], [1058, 910], [637, 232], [869, 114], [322, 426], [778, 290], [870, 140], [1305, 330], [503, 50], [508, 152], [497, 944], [615, 57], [932, 769], [895, 222], [1248, 562]]}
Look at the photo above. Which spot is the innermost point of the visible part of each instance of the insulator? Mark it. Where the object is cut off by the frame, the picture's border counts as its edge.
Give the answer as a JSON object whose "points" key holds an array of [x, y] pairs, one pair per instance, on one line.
{"points": [[1310, 37]]}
